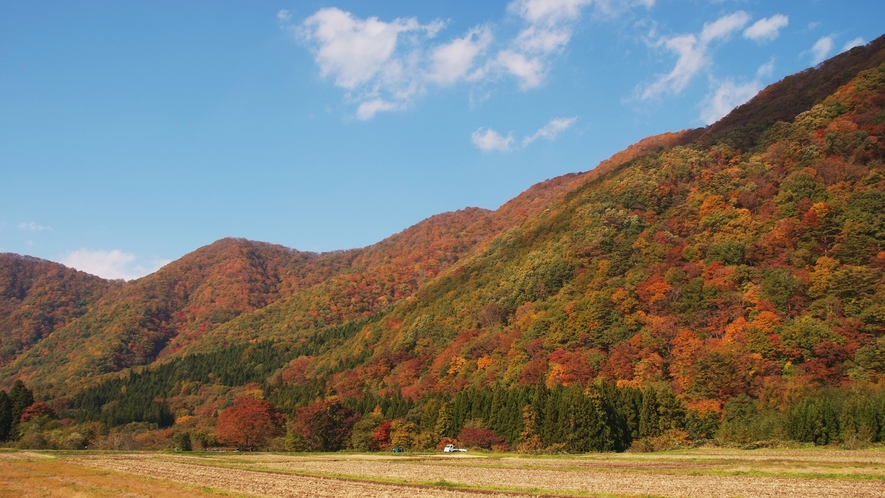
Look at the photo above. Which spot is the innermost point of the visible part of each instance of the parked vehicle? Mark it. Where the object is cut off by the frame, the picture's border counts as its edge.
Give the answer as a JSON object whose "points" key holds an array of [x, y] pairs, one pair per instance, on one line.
{"points": [[450, 448]]}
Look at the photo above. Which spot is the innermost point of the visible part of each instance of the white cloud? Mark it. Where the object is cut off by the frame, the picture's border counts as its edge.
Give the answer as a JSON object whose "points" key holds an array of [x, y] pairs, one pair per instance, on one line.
{"points": [[354, 51], [692, 54], [284, 15], [821, 49], [549, 28], [857, 42], [726, 96], [765, 70], [453, 61], [767, 29], [547, 11], [113, 264], [489, 139], [492, 140], [383, 65], [33, 227], [367, 110], [386, 66], [529, 71], [724, 26], [550, 130], [542, 40], [692, 57]]}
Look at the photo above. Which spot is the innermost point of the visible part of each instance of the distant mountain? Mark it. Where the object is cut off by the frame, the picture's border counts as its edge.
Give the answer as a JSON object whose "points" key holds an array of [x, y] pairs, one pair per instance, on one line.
{"points": [[746, 259]]}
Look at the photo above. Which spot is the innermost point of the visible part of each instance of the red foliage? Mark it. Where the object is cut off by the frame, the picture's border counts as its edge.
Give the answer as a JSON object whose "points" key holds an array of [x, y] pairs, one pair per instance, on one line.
{"points": [[620, 364], [38, 409], [828, 365], [479, 437], [249, 422], [533, 371], [570, 368], [381, 436], [445, 442], [325, 426]]}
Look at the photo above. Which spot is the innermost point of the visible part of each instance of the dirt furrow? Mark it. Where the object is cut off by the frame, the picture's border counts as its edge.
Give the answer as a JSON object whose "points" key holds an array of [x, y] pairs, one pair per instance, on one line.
{"points": [[590, 481], [259, 483]]}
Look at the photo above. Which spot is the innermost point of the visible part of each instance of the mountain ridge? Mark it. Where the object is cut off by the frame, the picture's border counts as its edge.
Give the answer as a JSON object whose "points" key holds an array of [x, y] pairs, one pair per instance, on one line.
{"points": [[743, 260]]}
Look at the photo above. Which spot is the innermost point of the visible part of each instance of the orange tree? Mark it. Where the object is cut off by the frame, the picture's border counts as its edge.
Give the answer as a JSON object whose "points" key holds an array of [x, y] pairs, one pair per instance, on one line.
{"points": [[249, 422]]}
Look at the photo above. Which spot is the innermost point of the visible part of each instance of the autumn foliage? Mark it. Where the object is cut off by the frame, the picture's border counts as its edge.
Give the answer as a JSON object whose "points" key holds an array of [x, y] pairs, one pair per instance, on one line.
{"points": [[693, 284], [248, 423], [323, 426], [479, 437]]}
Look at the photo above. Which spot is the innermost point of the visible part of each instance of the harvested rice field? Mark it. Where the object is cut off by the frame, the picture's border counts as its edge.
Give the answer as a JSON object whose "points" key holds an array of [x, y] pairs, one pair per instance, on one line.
{"points": [[690, 473]]}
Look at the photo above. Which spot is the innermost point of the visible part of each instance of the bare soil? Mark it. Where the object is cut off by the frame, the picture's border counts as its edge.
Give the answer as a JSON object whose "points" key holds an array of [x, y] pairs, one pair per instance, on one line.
{"points": [[694, 473]]}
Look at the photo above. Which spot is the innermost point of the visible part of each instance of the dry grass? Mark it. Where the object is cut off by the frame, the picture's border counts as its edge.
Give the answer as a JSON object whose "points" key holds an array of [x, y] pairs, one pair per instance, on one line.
{"points": [[695, 473], [28, 477]]}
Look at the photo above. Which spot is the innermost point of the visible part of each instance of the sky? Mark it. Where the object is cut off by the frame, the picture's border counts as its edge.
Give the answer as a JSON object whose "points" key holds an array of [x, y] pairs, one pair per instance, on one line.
{"points": [[132, 133]]}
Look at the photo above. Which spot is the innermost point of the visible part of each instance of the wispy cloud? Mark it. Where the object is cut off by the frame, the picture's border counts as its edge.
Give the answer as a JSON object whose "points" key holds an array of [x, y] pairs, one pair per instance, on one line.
{"points": [[821, 49], [691, 51], [767, 29], [456, 61], [725, 96], [490, 140], [857, 42], [113, 264], [30, 226], [550, 130], [549, 26], [356, 51], [765, 70], [387, 65]]}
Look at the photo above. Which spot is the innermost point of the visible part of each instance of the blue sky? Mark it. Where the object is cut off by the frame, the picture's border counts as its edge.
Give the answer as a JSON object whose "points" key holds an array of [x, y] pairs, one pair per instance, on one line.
{"points": [[132, 133]]}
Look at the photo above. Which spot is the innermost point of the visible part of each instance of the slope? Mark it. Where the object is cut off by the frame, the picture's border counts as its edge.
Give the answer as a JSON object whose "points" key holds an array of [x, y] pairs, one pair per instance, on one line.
{"points": [[135, 323], [38, 297], [715, 271], [687, 265]]}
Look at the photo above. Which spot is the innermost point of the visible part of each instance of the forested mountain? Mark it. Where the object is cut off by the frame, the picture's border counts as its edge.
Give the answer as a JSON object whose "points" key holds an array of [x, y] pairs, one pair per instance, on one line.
{"points": [[38, 297], [696, 282], [181, 305]]}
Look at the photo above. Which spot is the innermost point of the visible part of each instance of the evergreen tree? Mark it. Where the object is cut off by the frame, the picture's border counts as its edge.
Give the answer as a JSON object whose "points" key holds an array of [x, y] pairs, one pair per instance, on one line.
{"points": [[630, 406], [614, 419], [443, 425], [21, 398], [814, 421], [671, 413], [5, 416], [648, 414], [551, 431]]}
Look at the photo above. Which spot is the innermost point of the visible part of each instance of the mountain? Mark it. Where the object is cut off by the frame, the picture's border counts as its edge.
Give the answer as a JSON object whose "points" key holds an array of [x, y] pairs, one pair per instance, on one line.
{"points": [[180, 306], [38, 297], [742, 261]]}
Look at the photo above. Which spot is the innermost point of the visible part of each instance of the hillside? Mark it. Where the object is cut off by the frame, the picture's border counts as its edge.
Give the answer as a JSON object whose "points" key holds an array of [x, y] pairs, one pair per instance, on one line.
{"points": [[38, 297], [179, 307], [692, 283]]}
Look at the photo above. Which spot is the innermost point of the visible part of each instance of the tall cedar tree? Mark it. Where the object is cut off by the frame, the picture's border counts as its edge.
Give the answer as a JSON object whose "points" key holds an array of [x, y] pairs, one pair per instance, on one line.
{"points": [[5, 416], [21, 398]]}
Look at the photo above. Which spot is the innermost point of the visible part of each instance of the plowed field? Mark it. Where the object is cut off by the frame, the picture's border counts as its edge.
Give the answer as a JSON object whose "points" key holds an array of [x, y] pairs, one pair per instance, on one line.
{"points": [[695, 473]]}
